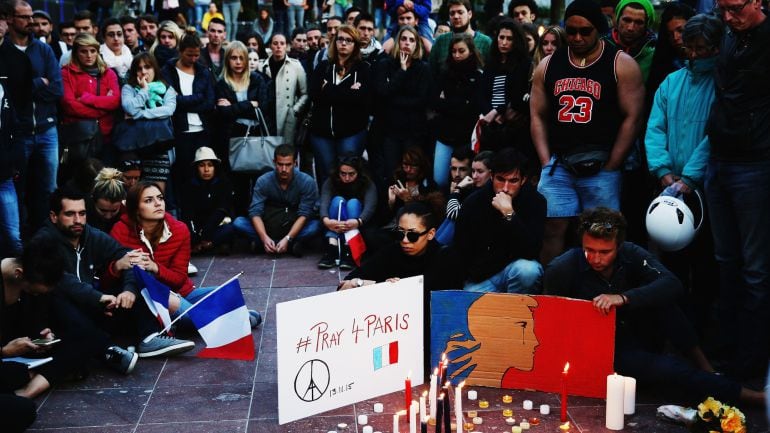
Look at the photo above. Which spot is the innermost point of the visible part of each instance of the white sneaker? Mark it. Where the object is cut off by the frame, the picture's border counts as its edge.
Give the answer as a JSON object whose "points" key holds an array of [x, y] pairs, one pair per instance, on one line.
{"points": [[191, 269]]}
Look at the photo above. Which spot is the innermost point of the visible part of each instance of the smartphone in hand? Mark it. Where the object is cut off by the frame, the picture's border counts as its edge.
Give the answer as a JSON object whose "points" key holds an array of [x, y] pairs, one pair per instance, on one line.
{"points": [[45, 341]]}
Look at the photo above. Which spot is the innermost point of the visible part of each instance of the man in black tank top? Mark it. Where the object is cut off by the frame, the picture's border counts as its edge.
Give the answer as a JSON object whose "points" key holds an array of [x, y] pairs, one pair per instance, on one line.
{"points": [[586, 105]]}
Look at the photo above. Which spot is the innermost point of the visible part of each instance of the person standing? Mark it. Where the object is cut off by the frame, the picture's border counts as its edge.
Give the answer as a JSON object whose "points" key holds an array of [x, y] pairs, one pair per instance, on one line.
{"points": [[738, 183], [213, 56], [460, 14], [231, 9], [585, 106]]}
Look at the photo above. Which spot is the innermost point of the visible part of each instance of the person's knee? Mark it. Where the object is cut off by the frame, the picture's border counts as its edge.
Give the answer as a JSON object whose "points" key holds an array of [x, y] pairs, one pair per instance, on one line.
{"points": [[524, 275]]}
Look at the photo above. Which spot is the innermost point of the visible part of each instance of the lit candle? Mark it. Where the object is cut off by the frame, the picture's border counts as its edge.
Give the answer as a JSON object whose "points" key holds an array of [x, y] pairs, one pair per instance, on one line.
{"points": [[447, 413], [423, 408], [444, 367], [413, 417], [614, 409], [507, 399], [441, 366], [433, 393], [629, 395], [564, 393], [459, 404], [564, 427], [408, 391], [439, 412], [507, 413]]}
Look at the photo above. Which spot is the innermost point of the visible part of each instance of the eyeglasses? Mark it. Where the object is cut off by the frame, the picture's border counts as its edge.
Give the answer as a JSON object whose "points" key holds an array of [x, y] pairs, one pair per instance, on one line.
{"points": [[346, 41], [584, 31], [412, 237], [734, 10]]}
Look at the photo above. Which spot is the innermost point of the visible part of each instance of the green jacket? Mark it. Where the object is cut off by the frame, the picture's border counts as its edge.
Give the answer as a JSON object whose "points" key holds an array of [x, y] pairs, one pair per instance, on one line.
{"points": [[642, 53]]}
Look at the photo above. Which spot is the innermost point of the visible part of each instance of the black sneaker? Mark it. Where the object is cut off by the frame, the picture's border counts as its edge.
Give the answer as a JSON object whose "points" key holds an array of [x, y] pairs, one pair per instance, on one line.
{"points": [[329, 259], [120, 359], [163, 345], [346, 261]]}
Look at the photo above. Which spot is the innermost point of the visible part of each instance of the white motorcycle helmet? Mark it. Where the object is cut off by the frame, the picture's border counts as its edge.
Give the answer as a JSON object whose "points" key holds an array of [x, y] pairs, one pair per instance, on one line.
{"points": [[670, 222]]}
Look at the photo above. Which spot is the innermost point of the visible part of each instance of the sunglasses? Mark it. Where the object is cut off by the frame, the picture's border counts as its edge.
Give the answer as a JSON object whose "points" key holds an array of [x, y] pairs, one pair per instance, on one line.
{"points": [[412, 237], [598, 227], [584, 31]]}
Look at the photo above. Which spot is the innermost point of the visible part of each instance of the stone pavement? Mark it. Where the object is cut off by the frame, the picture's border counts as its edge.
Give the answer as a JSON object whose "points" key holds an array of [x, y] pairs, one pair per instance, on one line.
{"points": [[189, 394]]}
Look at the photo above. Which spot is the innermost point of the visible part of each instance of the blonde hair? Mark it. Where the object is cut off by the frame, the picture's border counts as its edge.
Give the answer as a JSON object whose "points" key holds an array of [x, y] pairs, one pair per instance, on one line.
{"points": [[86, 40], [418, 52], [170, 27], [108, 185], [237, 84]]}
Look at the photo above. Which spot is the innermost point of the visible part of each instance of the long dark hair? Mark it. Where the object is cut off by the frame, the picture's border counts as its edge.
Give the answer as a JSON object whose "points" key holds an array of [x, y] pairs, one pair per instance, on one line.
{"points": [[665, 54], [519, 51], [358, 187], [475, 57], [148, 59]]}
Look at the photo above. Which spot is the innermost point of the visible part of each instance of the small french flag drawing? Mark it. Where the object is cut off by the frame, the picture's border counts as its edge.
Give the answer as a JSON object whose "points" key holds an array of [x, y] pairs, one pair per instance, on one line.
{"points": [[386, 355]]}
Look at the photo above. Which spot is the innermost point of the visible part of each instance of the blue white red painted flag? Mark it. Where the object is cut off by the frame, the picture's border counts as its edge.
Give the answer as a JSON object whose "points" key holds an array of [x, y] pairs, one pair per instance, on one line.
{"points": [[155, 295], [223, 322], [386, 355]]}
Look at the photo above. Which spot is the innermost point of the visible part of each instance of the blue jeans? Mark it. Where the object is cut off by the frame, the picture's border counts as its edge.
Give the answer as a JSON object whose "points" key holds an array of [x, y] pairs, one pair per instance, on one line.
{"points": [[520, 276], [567, 195], [296, 17], [244, 226], [38, 176], [446, 232], [279, 21], [423, 28], [10, 236], [230, 11], [381, 19], [441, 160], [738, 196], [326, 150], [341, 210]]}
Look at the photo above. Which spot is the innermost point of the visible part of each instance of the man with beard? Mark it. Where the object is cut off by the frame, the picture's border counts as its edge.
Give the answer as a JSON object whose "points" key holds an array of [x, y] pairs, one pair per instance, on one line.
{"points": [[313, 39], [460, 14], [282, 202], [586, 106], [632, 33], [148, 30], [500, 230]]}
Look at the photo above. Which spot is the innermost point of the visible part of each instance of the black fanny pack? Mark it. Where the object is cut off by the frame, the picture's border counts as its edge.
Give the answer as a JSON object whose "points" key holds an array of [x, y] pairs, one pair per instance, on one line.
{"points": [[585, 164]]}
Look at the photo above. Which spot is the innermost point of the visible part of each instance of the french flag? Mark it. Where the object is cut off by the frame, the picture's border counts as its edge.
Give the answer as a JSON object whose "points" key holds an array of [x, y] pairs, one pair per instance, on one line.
{"points": [[223, 322], [155, 295], [356, 244], [383, 356]]}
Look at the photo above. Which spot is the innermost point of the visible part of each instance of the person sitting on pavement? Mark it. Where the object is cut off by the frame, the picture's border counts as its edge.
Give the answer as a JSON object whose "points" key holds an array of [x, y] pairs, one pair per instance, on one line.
{"points": [[348, 201], [460, 187], [107, 196], [619, 275]]}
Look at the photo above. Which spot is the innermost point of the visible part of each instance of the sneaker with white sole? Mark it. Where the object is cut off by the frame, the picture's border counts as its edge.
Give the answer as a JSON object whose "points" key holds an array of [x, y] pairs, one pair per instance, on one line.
{"points": [[254, 318], [120, 359], [191, 269], [163, 345]]}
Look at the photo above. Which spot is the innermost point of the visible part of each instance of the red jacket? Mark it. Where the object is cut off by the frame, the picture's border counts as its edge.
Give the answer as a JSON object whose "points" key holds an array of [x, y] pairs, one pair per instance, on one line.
{"points": [[80, 101], [171, 255]]}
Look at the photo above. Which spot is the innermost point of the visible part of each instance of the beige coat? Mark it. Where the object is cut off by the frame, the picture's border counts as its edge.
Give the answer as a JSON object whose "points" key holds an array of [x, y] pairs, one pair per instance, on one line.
{"points": [[290, 96]]}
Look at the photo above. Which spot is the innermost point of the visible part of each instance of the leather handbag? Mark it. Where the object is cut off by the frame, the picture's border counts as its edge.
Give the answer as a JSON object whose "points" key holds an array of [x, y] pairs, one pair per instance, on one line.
{"points": [[132, 135], [253, 154]]}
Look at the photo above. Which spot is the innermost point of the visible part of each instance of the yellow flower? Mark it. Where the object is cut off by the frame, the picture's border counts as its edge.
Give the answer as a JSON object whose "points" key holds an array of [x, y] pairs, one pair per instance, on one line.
{"points": [[733, 421], [710, 405]]}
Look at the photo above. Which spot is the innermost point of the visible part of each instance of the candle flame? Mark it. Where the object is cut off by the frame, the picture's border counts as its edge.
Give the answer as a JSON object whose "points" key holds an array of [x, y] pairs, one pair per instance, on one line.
{"points": [[447, 384], [441, 396], [401, 412], [409, 375], [424, 393], [566, 367], [443, 357], [566, 424]]}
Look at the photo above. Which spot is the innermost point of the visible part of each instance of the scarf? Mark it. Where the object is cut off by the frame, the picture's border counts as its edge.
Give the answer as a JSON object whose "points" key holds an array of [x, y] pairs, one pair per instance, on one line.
{"points": [[120, 63]]}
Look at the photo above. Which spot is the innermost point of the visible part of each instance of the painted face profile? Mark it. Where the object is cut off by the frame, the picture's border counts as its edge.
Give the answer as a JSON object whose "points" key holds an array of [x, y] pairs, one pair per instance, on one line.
{"points": [[499, 327]]}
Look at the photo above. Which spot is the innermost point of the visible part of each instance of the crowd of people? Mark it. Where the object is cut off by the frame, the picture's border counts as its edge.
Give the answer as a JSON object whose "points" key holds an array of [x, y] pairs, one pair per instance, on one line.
{"points": [[519, 159]]}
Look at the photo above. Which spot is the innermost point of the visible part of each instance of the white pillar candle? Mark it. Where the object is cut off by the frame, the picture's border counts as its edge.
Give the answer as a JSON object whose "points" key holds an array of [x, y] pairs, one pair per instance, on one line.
{"points": [[459, 406], [432, 395], [367, 429], [413, 417], [378, 408], [395, 422], [515, 429], [545, 409], [614, 410], [472, 395], [524, 425], [423, 408], [527, 405], [629, 395], [363, 419]]}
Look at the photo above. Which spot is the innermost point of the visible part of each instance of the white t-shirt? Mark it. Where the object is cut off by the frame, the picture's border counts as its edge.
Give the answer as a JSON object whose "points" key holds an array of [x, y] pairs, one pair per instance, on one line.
{"points": [[186, 86]]}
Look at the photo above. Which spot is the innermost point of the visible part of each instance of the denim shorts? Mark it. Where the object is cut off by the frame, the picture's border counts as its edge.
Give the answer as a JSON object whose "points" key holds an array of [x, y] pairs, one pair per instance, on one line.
{"points": [[568, 195]]}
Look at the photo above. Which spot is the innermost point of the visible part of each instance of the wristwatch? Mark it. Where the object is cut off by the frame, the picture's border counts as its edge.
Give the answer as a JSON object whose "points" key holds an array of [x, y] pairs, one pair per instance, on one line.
{"points": [[509, 215], [288, 238]]}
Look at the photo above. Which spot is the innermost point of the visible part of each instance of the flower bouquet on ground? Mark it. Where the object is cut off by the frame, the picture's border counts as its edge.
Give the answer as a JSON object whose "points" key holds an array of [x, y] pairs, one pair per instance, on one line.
{"points": [[713, 416]]}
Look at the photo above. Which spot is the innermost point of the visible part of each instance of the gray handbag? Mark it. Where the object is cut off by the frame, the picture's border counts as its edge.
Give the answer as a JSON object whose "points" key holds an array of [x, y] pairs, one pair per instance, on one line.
{"points": [[252, 154]]}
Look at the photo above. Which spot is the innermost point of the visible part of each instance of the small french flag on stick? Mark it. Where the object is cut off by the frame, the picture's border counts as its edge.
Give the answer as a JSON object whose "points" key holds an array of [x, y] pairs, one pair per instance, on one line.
{"points": [[356, 244], [386, 355], [155, 295]]}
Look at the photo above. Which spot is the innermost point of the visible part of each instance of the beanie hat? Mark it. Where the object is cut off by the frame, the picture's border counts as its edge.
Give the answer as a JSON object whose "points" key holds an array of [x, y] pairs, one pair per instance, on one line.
{"points": [[589, 10], [645, 4]]}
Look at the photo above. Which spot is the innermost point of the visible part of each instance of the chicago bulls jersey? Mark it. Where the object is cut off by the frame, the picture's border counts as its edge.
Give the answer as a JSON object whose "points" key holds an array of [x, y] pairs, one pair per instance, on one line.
{"points": [[584, 110]]}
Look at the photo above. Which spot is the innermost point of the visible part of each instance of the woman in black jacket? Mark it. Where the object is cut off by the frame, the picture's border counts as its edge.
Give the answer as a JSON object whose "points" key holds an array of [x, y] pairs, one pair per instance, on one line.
{"points": [[340, 91], [403, 91], [455, 99], [239, 93]]}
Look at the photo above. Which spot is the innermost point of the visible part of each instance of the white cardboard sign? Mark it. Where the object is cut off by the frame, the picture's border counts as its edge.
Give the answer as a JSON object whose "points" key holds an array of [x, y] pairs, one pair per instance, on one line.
{"points": [[340, 348]]}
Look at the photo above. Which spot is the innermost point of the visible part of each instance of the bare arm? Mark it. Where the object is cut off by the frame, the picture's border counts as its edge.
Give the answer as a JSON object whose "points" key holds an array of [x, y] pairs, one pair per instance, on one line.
{"points": [[538, 108], [630, 101]]}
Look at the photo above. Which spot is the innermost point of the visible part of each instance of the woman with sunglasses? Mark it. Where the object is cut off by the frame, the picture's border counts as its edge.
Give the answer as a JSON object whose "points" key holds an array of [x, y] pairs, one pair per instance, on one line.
{"points": [[348, 201], [340, 91]]}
